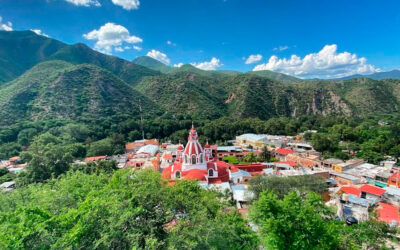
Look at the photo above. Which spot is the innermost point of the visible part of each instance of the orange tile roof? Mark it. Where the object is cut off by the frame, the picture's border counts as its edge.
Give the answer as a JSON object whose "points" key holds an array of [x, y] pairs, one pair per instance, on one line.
{"points": [[388, 213], [95, 158], [284, 151], [14, 158]]}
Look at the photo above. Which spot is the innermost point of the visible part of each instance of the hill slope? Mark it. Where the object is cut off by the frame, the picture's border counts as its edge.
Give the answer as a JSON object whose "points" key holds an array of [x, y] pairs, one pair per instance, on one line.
{"points": [[394, 74], [60, 90], [21, 50], [275, 76]]}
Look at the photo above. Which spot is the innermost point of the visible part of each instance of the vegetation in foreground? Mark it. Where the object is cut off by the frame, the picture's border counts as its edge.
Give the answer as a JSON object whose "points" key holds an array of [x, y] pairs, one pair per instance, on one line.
{"points": [[97, 207]]}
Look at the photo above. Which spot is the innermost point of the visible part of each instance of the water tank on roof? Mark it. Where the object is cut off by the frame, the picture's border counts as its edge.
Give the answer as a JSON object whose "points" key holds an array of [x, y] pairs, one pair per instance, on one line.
{"points": [[351, 221]]}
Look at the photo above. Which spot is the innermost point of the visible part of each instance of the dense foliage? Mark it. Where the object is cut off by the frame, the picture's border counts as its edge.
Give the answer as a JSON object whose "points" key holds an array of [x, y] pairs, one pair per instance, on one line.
{"points": [[120, 210], [296, 222]]}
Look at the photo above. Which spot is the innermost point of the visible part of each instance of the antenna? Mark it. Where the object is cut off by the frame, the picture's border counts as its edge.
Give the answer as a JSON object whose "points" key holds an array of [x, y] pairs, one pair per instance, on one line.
{"points": [[141, 118]]}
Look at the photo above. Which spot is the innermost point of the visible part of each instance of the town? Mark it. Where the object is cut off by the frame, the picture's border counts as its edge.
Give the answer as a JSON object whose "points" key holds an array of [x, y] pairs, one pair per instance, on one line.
{"points": [[354, 187]]}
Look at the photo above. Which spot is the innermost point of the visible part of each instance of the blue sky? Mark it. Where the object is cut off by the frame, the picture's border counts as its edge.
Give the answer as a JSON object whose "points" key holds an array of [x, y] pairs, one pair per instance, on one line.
{"points": [[317, 38]]}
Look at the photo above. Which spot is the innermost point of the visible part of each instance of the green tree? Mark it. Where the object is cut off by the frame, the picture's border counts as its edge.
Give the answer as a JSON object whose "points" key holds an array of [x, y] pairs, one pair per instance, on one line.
{"points": [[294, 223]]}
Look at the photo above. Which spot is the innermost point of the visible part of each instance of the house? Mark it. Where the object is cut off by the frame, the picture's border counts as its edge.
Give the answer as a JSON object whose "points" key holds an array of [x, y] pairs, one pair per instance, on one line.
{"points": [[254, 140], [328, 163], [223, 151], [345, 179], [134, 146], [14, 160], [392, 195], [350, 190], [304, 159], [300, 146], [239, 176], [347, 165], [388, 213], [95, 158], [394, 179], [242, 196], [371, 192], [372, 173], [281, 153]]}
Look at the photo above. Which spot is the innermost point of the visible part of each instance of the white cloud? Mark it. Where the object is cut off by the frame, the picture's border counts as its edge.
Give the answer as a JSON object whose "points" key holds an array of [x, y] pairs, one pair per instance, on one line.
{"points": [[158, 56], [138, 48], [211, 65], [178, 65], [85, 3], [327, 63], [119, 49], [171, 43], [281, 48], [127, 4], [5, 26], [111, 36], [253, 59], [39, 32]]}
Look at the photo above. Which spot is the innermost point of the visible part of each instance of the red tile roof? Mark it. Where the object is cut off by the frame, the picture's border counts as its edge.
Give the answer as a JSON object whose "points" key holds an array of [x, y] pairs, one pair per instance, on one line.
{"points": [[350, 190], [388, 213], [372, 190], [284, 151]]}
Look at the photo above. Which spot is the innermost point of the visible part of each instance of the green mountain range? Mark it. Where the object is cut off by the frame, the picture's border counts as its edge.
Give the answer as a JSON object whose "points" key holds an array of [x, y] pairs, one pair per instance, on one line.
{"points": [[47, 79]]}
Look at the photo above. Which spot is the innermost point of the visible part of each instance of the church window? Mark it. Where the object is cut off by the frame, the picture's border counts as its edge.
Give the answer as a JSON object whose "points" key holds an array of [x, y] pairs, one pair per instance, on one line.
{"points": [[193, 159], [177, 174], [210, 172]]}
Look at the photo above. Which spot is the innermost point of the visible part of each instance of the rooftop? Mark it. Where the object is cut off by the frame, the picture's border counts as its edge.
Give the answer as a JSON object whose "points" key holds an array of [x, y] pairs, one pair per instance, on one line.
{"points": [[372, 190]]}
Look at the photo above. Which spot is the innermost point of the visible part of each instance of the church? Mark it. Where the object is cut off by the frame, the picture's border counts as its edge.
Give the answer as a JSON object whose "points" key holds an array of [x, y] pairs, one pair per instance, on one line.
{"points": [[195, 163]]}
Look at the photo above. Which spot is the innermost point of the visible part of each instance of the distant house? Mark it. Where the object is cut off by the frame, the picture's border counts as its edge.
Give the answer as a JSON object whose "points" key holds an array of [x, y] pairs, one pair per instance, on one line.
{"points": [[223, 151], [134, 146], [347, 165], [328, 163], [95, 158], [350, 190], [14, 160], [281, 153], [371, 192], [345, 179]]}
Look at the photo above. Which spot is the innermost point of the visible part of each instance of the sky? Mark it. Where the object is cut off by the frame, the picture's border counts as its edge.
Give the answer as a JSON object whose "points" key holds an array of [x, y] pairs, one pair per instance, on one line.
{"points": [[303, 38]]}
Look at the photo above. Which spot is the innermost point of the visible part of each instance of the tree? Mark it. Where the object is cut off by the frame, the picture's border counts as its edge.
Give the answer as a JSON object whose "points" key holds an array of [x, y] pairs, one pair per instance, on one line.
{"points": [[294, 223], [265, 155], [46, 158], [302, 184]]}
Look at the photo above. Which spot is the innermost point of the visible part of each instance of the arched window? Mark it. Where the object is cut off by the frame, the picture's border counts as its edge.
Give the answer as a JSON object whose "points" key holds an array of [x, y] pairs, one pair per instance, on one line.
{"points": [[186, 159], [201, 158], [178, 174], [210, 172], [193, 159]]}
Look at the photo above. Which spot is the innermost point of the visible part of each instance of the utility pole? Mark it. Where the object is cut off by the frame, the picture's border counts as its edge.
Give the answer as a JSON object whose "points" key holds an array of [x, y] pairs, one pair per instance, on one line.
{"points": [[141, 118]]}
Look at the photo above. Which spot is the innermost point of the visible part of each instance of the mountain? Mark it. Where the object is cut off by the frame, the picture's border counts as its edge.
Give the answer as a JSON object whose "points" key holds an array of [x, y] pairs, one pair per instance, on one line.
{"points": [[154, 64], [187, 94], [21, 50], [61, 90], [394, 74], [275, 76]]}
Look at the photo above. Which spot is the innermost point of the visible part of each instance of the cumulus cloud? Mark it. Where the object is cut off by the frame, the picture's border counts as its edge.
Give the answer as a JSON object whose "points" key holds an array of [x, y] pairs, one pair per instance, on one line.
{"points": [[253, 59], [213, 64], [85, 3], [138, 48], [178, 65], [110, 36], [5, 26], [39, 32], [327, 63], [158, 56], [127, 4], [281, 48]]}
